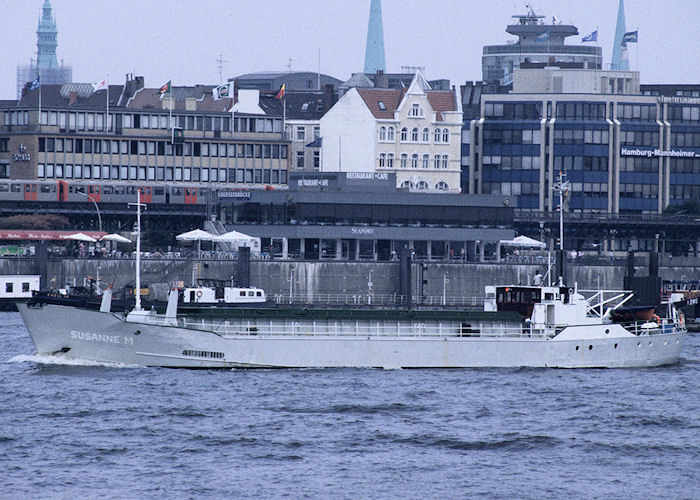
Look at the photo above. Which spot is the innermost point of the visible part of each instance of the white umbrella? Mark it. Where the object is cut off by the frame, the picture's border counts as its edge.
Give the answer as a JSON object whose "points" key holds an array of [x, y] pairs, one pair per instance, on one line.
{"points": [[195, 235], [118, 238], [81, 237], [237, 239], [523, 242]]}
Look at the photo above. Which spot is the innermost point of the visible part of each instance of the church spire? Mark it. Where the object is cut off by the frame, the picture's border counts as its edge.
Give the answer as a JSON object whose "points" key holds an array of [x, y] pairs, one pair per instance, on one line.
{"points": [[374, 53], [46, 38], [619, 53]]}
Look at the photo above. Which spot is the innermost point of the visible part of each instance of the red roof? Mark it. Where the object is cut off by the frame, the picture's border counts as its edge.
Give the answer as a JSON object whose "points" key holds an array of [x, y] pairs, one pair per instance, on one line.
{"points": [[440, 100]]}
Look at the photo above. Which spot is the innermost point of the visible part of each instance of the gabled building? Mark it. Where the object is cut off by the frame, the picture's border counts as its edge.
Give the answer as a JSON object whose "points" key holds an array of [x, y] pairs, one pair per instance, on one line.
{"points": [[413, 132]]}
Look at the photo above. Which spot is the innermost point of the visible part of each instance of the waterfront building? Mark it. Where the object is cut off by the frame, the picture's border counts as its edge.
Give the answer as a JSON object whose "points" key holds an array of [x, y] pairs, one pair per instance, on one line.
{"points": [[413, 132], [363, 216], [133, 134], [538, 42], [623, 150], [46, 63]]}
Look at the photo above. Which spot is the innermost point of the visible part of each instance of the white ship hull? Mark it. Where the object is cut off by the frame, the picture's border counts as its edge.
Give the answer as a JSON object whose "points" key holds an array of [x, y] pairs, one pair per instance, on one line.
{"points": [[108, 338]]}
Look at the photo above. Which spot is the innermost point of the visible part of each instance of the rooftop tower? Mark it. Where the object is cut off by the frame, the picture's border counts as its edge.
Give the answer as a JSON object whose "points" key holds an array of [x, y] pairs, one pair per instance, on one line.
{"points": [[374, 53], [539, 42], [619, 53]]}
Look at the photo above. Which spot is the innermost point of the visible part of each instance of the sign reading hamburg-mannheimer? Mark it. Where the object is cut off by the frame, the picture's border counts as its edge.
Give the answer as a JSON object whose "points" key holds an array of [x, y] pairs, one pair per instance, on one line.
{"points": [[658, 153]]}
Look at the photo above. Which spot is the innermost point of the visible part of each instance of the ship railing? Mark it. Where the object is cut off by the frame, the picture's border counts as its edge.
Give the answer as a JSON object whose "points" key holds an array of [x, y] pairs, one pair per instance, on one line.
{"points": [[663, 325], [361, 328], [372, 299]]}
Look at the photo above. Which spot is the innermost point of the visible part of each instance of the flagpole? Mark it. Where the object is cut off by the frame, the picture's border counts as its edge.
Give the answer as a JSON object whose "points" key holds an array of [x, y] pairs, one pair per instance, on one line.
{"points": [[107, 103], [170, 118]]}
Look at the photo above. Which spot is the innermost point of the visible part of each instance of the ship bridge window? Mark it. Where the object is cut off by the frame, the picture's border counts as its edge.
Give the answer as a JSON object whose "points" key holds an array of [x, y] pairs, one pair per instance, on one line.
{"points": [[8, 287], [242, 293], [25, 287], [259, 294], [251, 294]]}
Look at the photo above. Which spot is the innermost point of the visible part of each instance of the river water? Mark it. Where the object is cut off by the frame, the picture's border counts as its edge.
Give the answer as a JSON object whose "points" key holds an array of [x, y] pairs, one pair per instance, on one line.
{"points": [[70, 431]]}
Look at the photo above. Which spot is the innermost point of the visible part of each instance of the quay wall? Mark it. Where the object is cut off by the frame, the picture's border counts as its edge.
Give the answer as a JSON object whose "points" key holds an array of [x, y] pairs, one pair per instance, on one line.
{"points": [[337, 277]]}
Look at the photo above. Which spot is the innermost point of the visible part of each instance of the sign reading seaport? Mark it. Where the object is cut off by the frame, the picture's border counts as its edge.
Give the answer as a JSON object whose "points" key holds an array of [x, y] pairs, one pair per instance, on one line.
{"points": [[658, 153]]}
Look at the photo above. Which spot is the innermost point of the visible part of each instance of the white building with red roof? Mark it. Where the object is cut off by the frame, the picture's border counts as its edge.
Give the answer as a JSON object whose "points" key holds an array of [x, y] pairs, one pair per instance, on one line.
{"points": [[414, 132]]}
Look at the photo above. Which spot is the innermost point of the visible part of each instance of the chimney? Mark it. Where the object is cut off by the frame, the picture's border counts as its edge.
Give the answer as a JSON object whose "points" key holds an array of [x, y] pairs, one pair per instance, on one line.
{"points": [[73, 96], [328, 97]]}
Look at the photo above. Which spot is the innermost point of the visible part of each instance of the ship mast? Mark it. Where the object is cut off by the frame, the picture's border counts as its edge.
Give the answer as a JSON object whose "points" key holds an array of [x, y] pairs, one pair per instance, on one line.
{"points": [[137, 290], [561, 186]]}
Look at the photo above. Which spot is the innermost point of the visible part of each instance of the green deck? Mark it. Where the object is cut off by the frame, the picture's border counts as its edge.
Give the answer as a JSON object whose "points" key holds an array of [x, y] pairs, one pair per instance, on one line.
{"points": [[354, 314]]}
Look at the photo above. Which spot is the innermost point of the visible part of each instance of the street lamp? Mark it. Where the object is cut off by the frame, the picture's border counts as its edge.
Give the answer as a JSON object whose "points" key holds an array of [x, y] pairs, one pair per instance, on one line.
{"points": [[99, 217]]}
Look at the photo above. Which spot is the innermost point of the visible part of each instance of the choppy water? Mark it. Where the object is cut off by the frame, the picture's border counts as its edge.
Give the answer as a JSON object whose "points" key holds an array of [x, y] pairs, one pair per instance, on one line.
{"points": [[70, 431]]}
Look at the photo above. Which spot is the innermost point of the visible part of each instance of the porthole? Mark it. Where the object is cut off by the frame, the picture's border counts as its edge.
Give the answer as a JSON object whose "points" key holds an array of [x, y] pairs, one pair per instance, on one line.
{"points": [[639, 344], [677, 341], [650, 344], [665, 342], [590, 347], [577, 348], [615, 345], [137, 332], [607, 330]]}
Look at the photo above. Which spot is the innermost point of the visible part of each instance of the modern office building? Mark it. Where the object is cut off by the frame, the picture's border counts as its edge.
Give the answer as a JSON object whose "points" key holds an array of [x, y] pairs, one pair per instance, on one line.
{"points": [[46, 63], [538, 42], [624, 151]]}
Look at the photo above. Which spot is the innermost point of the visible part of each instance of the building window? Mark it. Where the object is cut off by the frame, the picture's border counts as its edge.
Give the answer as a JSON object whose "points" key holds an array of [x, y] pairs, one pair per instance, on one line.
{"points": [[436, 161], [382, 160], [390, 134], [317, 131], [404, 134], [442, 186], [317, 160], [414, 134], [422, 185], [445, 135], [382, 133], [404, 160], [426, 161], [407, 184], [437, 135], [445, 161], [426, 135], [414, 160], [390, 160], [381, 105], [416, 111], [300, 159], [301, 134]]}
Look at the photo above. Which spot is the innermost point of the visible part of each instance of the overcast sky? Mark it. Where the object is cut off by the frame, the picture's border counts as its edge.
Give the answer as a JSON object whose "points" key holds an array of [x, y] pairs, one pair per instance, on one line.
{"points": [[180, 40]]}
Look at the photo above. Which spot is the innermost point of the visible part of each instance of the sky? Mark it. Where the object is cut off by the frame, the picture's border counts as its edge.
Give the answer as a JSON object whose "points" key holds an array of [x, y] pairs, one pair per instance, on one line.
{"points": [[181, 40]]}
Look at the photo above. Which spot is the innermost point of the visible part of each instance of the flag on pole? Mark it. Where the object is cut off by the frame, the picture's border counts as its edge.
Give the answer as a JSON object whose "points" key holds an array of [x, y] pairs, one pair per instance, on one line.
{"points": [[35, 84], [223, 91], [630, 37], [591, 37], [542, 37], [280, 94], [101, 85], [165, 88]]}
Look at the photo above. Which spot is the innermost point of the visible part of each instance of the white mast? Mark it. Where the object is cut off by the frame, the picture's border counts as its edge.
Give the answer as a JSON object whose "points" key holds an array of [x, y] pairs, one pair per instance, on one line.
{"points": [[137, 290]]}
